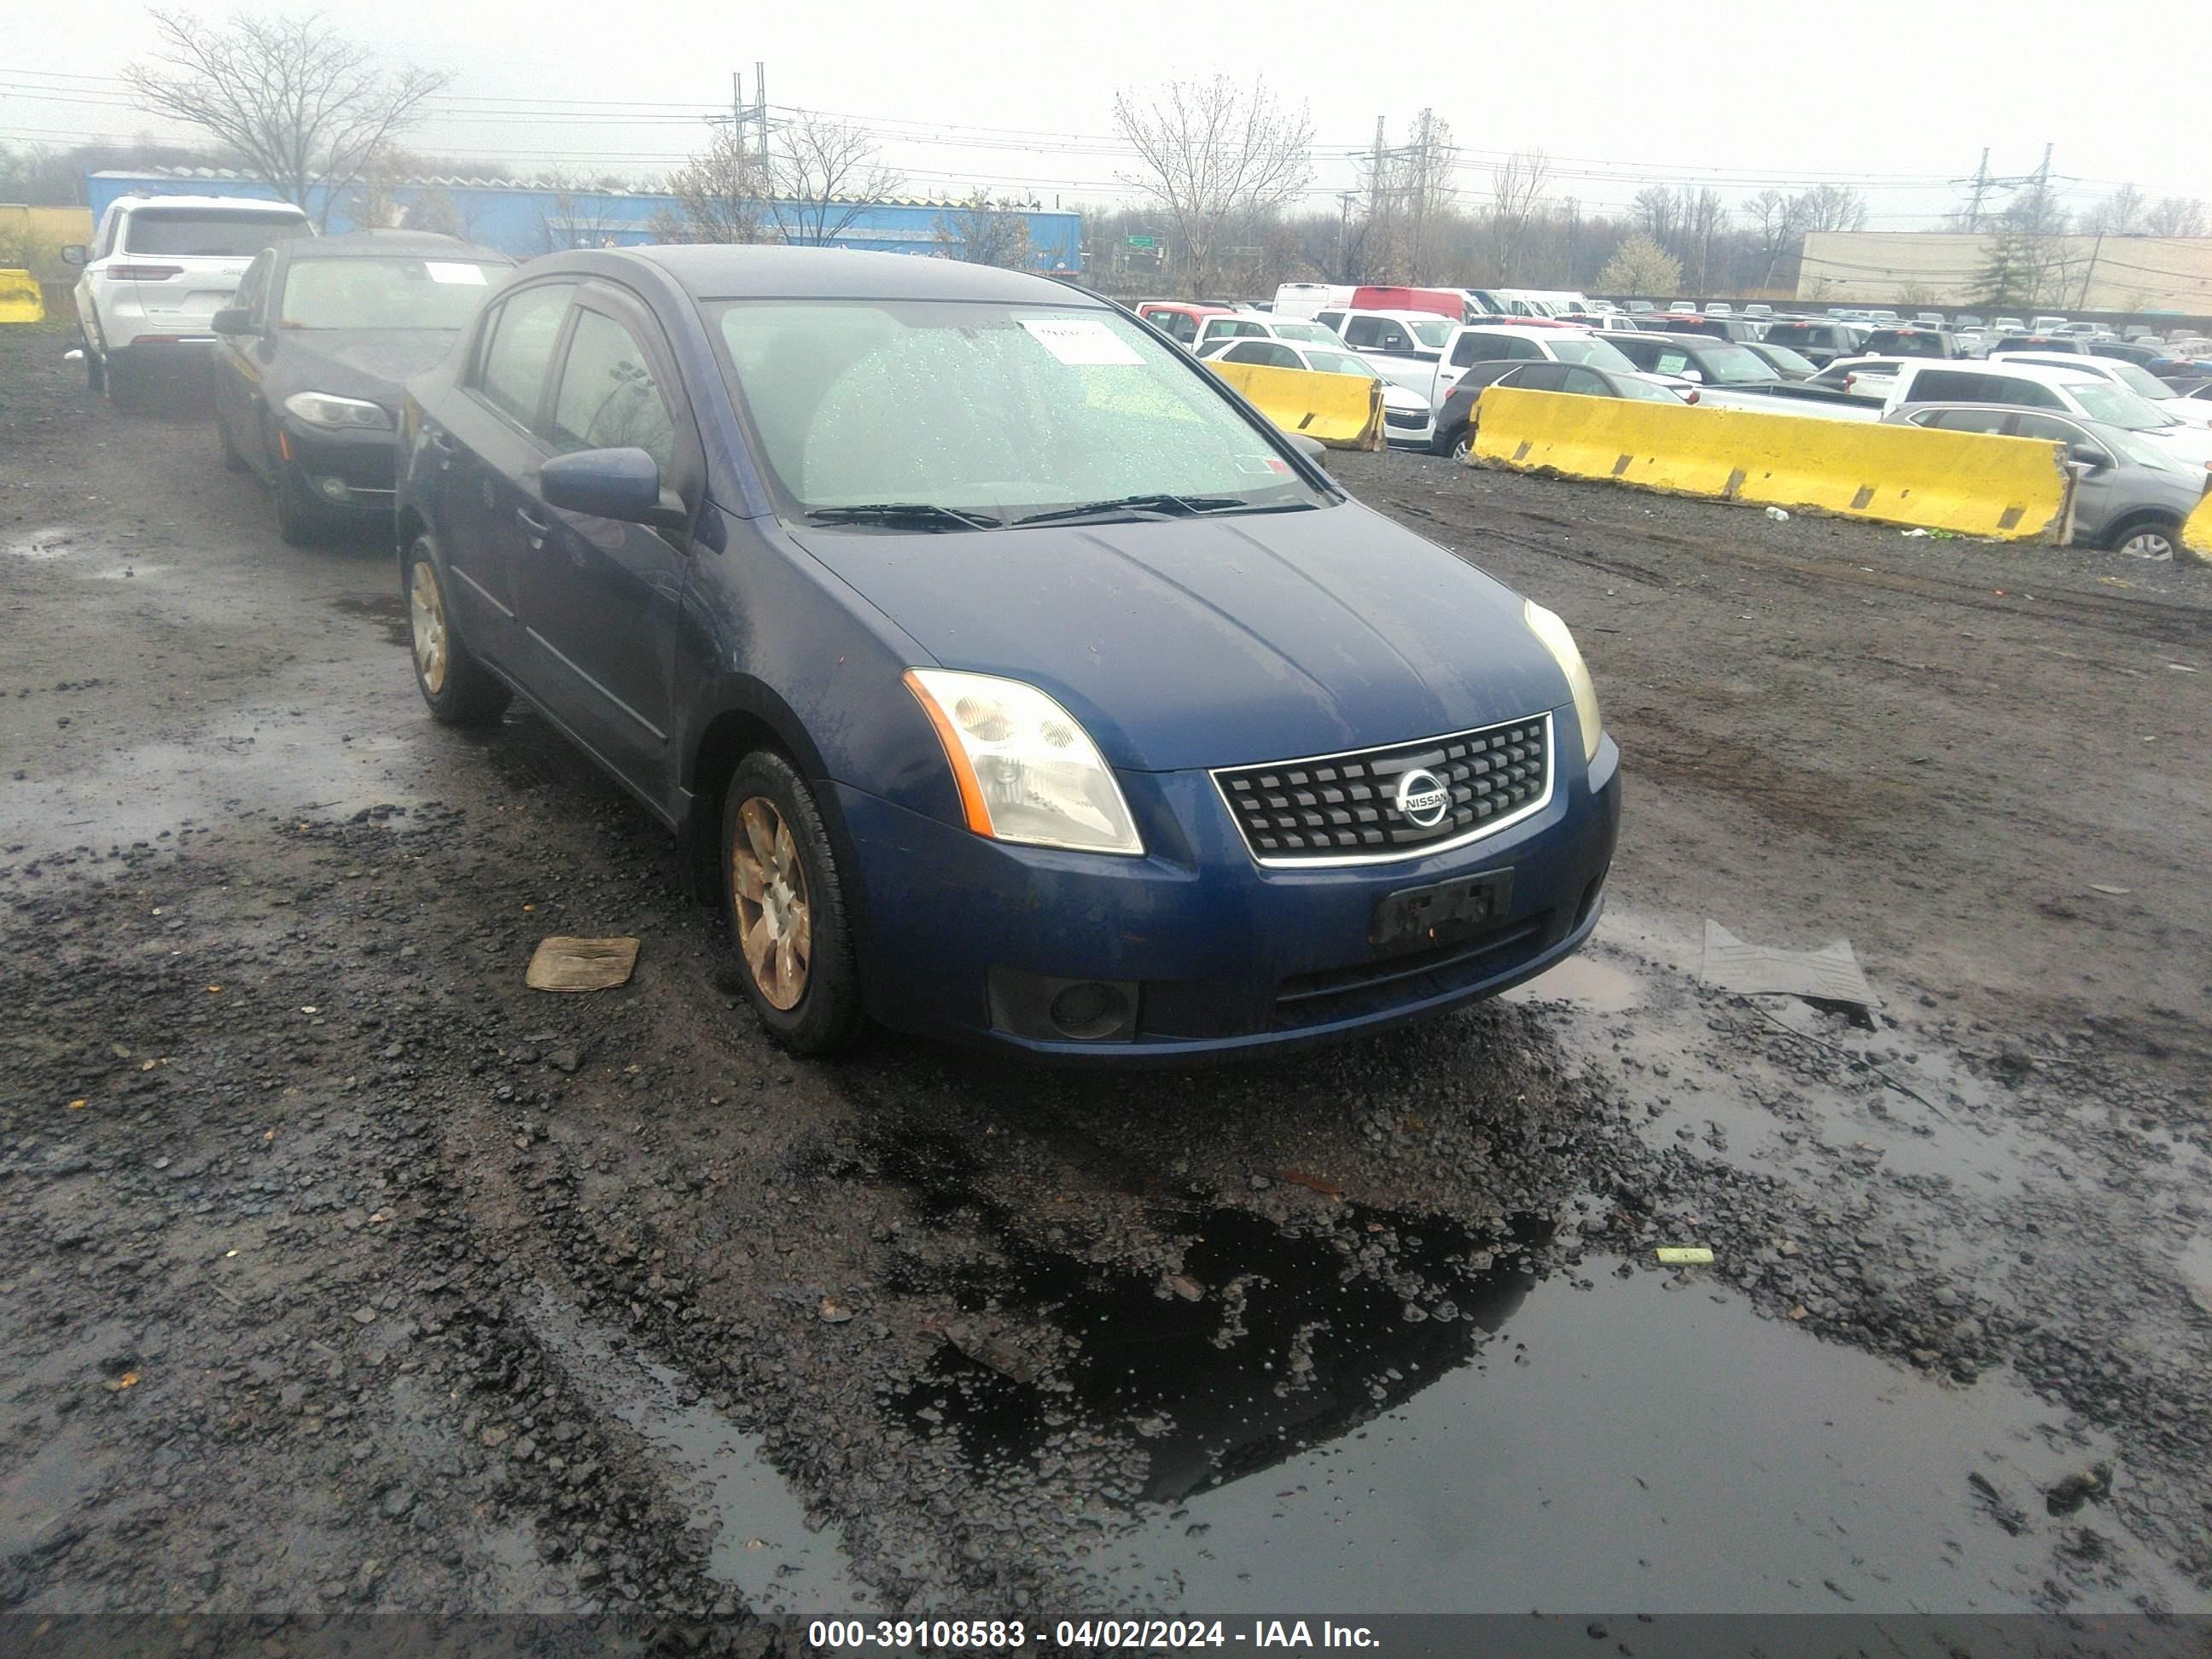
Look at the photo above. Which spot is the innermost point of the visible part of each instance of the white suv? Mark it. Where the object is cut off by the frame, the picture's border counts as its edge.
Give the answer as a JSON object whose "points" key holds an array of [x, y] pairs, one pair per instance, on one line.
{"points": [[158, 271]]}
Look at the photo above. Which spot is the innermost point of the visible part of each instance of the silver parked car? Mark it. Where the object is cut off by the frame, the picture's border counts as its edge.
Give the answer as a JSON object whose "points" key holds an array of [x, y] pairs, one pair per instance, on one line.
{"points": [[2130, 496]]}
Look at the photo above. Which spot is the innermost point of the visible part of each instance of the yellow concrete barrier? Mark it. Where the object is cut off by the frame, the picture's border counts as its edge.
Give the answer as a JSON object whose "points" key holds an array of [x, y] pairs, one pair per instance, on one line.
{"points": [[1344, 412], [21, 300], [2012, 489], [2196, 534]]}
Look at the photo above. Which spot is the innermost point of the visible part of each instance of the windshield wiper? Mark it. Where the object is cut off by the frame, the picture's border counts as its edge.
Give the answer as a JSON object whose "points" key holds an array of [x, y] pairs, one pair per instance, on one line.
{"points": [[920, 515], [1180, 507]]}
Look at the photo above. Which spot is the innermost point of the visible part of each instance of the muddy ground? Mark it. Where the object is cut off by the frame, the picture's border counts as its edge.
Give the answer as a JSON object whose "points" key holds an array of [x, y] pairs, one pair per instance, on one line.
{"points": [[339, 1271]]}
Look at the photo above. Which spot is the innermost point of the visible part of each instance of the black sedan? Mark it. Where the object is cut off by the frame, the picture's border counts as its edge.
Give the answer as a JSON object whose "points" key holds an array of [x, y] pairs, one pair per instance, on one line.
{"points": [[1456, 420], [313, 355]]}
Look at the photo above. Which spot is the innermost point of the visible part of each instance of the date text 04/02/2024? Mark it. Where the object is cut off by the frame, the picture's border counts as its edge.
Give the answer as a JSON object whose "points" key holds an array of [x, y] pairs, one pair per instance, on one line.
{"points": [[1082, 1635]]}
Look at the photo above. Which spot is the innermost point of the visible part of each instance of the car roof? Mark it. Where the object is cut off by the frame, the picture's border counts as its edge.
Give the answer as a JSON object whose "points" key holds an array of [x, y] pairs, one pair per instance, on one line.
{"points": [[723, 271], [201, 204], [391, 244], [2047, 374]]}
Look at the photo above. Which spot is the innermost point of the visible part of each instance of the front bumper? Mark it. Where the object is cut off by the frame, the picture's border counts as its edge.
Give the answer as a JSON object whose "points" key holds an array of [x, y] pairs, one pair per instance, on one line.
{"points": [[342, 471], [1229, 958]]}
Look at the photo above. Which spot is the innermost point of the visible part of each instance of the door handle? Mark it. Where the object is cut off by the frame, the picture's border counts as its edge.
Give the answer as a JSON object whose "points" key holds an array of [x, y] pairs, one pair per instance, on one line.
{"points": [[537, 530]]}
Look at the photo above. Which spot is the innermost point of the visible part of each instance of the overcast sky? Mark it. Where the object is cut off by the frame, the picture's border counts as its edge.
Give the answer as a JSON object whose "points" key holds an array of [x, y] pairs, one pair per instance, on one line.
{"points": [[1895, 97]]}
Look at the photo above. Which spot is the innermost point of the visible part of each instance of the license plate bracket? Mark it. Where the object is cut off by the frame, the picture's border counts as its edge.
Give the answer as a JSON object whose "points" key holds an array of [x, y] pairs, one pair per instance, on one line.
{"points": [[1443, 913]]}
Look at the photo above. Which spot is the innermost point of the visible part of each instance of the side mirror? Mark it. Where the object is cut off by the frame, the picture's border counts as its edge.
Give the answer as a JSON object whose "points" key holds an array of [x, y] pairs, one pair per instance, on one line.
{"points": [[623, 484], [233, 320], [2089, 456], [1312, 448], [1693, 376], [76, 254]]}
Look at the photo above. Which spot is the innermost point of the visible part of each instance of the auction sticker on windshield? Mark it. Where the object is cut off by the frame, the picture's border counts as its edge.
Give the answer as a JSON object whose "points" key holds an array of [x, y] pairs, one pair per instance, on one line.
{"points": [[1080, 341], [463, 276]]}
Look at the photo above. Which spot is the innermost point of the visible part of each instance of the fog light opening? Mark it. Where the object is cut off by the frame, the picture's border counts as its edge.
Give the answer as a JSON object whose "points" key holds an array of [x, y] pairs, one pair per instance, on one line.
{"points": [[333, 489], [1090, 1009]]}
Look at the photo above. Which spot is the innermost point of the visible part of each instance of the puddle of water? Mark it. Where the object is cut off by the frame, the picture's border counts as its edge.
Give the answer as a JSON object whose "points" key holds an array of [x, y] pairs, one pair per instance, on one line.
{"points": [[51, 543], [1628, 1446], [760, 1543], [129, 573], [387, 609], [1284, 1348], [1586, 982]]}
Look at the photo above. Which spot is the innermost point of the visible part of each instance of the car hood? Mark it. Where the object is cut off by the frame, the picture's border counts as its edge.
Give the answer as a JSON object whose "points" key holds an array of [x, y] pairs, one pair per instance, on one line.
{"points": [[372, 363], [2182, 440], [2193, 411], [1199, 642]]}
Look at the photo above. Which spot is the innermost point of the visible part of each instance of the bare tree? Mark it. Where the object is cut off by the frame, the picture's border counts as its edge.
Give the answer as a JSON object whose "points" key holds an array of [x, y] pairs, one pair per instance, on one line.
{"points": [[719, 195], [303, 108], [1704, 217], [983, 232], [580, 214], [1774, 217], [1215, 153], [2120, 213], [1656, 214], [1640, 267], [1516, 192], [1831, 207], [822, 175], [2175, 215]]}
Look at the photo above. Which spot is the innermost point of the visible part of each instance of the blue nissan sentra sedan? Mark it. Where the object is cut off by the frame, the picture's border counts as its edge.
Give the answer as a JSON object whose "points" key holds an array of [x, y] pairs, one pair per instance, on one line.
{"points": [[1006, 677]]}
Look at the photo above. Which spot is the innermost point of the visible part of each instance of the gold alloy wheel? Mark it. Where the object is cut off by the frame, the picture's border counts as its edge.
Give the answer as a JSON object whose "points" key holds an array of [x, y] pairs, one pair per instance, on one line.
{"points": [[426, 621], [775, 923]]}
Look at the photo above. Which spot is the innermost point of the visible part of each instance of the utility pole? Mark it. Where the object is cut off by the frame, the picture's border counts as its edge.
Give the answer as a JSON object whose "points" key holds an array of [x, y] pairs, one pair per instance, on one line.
{"points": [[760, 111], [1981, 190], [738, 114]]}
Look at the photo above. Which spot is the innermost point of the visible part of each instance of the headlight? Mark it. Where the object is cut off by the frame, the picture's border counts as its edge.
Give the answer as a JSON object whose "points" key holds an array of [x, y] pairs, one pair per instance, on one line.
{"points": [[1027, 772], [322, 409], [1561, 643]]}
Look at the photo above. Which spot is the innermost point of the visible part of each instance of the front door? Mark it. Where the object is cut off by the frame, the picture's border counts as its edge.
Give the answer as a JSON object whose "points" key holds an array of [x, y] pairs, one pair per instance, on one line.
{"points": [[600, 598]]}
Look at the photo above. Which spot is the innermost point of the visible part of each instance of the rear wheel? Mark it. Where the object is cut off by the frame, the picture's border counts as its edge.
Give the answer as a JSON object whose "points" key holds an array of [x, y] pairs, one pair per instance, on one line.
{"points": [[786, 901], [1462, 444], [460, 690], [122, 379]]}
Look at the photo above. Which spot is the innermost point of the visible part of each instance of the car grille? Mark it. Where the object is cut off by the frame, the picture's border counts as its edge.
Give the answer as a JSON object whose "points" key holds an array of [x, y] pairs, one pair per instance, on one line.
{"points": [[1371, 987], [1339, 807], [1412, 417]]}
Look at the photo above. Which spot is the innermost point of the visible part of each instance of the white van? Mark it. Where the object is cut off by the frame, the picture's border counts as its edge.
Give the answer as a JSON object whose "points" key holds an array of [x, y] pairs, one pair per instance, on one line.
{"points": [[1304, 299]]}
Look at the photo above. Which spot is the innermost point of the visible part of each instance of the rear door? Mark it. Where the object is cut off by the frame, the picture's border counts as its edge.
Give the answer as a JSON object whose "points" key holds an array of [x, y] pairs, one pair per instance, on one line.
{"points": [[238, 368], [486, 453], [599, 599]]}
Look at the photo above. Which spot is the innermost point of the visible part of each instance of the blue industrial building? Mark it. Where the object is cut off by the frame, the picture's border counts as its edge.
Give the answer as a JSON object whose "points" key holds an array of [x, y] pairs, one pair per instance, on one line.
{"points": [[523, 219]]}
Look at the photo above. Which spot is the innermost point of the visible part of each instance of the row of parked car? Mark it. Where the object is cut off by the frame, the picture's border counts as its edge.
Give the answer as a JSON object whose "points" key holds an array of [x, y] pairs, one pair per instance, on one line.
{"points": [[2135, 415]]}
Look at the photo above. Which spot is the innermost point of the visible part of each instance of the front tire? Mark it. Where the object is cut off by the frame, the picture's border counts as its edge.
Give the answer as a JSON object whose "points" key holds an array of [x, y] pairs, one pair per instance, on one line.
{"points": [[459, 689], [785, 898], [232, 460], [2154, 540], [96, 367]]}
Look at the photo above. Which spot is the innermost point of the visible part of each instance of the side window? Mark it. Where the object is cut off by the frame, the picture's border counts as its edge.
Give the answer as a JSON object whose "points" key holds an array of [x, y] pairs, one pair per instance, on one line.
{"points": [[2036, 396], [1280, 356], [1541, 377], [1244, 351], [1477, 349], [1393, 338], [2049, 427], [1936, 385], [1522, 348], [520, 353], [1583, 381], [253, 287], [1364, 333], [1331, 319], [1247, 330], [608, 397], [1180, 328], [111, 233]]}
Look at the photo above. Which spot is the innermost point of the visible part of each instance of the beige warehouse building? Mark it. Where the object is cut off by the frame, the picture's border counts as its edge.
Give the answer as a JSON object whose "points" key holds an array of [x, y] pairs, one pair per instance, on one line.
{"points": [[2081, 273]]}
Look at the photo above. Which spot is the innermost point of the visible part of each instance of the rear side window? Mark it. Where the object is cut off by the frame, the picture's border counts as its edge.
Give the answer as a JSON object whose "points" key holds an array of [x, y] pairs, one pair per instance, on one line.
{"points": [[1330, 319], [1956, 386], [211, 234], [609, 398], [514, 364], [253, 287]]}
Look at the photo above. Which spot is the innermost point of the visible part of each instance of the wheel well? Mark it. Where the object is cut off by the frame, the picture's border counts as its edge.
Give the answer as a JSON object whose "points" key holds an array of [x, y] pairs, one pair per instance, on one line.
{"points": [[409, 526], [727, 741], [2136, 522]]}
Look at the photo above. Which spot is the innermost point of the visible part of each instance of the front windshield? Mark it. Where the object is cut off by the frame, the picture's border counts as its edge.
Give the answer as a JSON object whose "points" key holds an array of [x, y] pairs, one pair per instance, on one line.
{"points": [[1731, 365], [1785, 359], [1341, 363], [1433, 334], [1307, 334], [985, 407], [1598, 354], [2116, 406], [386, 293]]}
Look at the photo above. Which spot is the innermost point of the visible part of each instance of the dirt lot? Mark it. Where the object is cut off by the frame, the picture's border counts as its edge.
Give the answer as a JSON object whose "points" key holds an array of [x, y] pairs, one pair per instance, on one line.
{"points": [[339, 1270]]}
